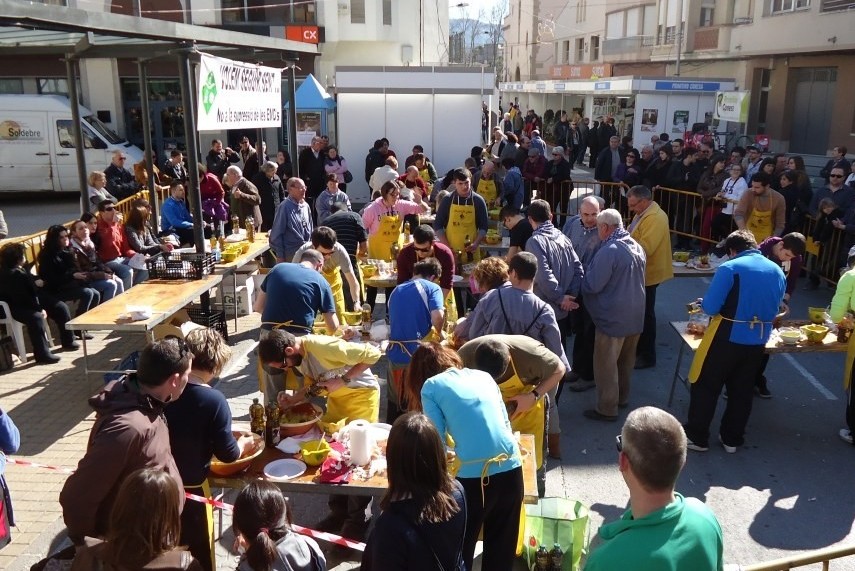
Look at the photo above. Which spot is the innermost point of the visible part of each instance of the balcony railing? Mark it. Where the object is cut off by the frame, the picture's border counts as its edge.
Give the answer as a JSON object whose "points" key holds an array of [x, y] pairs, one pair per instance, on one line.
{"points": [[836, 5], [623, 45]]}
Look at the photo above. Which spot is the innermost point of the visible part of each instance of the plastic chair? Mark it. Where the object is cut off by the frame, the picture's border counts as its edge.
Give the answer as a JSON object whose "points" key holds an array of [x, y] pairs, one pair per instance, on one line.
{"points": [[16, 328]]}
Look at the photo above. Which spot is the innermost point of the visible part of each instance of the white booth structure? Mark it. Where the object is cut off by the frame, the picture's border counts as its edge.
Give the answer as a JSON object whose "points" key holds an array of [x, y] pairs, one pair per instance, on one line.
{"points": [[641, 106], [438, 108]]}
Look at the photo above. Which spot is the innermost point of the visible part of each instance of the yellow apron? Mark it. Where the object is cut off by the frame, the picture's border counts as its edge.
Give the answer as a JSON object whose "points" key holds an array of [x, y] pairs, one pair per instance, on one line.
{"points": [[531, 421], [424, 174], [450, 307], [389, 232], [352, 404], [760, 223], [850, 357], [333, 277], [487, 190], [461, 223], [706, 342]]}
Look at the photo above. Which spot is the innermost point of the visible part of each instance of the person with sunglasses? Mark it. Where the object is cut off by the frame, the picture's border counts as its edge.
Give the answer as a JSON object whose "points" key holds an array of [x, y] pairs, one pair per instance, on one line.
{"points": [[842, 195], [662, 529], [425, 245], [120, 180], [336, 263], [341, 371], [112, 244], [129, 433]]}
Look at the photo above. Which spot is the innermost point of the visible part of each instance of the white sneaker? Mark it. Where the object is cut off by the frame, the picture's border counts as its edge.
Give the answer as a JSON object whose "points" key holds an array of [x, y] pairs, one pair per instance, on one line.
{"points": [[696, 447], [845, 435], [728, 449]]}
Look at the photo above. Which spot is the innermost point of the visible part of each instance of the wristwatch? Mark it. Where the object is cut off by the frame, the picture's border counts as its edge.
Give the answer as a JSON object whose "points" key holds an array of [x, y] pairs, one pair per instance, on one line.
{"points": [[536, 395]]}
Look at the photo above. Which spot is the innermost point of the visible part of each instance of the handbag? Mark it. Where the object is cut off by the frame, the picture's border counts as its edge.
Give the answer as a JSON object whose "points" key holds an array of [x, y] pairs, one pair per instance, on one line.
{"points": [[348, 177], [556, 520]]}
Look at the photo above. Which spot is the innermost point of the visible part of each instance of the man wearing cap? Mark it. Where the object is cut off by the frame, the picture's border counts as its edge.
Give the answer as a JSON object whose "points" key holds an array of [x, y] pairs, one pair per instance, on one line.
{"points": [[120, 181], [534, 166]]}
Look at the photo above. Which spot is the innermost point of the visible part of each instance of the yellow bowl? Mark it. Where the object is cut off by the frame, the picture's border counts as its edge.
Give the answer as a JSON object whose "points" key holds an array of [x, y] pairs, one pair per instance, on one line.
{"points": [[244, 247], [816, 315], [681, 256], [369, 271], [314, 452], [494, 213], [814, 333], [353, 317], [229, 256], [241, 464], [492, 240]]}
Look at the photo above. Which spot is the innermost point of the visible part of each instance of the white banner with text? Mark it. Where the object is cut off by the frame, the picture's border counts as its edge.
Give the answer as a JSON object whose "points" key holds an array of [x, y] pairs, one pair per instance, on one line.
{"points": [[237, 95]]}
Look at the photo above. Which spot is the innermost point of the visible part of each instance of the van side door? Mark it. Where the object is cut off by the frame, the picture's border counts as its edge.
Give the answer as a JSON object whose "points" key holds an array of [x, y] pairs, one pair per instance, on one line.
{"points": [[25, 158], [66, 155]]}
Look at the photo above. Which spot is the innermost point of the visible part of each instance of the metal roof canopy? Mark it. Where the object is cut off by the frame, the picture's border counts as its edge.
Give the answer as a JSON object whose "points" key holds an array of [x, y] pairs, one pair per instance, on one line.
{"points": [[38, 29]]}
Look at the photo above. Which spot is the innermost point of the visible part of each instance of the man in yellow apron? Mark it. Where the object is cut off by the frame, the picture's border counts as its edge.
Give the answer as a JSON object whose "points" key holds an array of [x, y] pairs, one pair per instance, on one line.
{"points": [[336, 262], [462, 215], [488, 185], [763, 211], [525, 371], [423, 246], [290, 298], [416, 314], [341, 370], [743, 298]]}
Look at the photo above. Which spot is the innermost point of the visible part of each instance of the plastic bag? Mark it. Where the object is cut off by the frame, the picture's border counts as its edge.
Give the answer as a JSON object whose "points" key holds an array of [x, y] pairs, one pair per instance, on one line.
{"points": [[556, 520]]}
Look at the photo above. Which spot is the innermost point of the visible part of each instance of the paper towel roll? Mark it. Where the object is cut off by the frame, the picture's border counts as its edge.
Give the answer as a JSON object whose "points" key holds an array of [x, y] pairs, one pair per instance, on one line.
{"points": [[361, 442]]}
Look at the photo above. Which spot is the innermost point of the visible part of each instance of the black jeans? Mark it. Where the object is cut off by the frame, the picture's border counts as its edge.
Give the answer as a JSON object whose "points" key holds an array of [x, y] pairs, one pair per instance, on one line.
{"points": [[647, 342], [583, 344], [36, 326], [499, 513], [727, 365]]}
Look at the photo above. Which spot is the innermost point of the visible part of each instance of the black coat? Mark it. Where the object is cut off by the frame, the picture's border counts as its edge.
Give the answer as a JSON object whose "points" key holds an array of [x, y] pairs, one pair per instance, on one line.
{"points": [[217, 163], [272, 193], [312, 171], [18, 289], [120, 182], [603, 166]]}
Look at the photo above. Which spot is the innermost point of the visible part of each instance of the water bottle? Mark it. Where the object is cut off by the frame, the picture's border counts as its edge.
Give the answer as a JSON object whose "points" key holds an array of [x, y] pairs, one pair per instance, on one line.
{"points": [[557, 557], [541, 559]]}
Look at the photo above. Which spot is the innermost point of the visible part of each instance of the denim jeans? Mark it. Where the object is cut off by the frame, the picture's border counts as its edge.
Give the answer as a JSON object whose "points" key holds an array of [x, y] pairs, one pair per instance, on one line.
{"points": [[121, 268]]}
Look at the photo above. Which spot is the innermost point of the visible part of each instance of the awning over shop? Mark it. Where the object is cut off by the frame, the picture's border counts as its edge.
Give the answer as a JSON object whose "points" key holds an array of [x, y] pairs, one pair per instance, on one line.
{"points": [[312, 95]]}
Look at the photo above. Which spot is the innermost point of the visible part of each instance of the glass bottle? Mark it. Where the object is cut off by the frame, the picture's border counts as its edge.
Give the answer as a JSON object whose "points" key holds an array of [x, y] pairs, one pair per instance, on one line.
{"points": [[256, 417], [407, 232], [466, 245], [366, 318], [250, 228], [557, 557], [271, 433], [541, 559]]}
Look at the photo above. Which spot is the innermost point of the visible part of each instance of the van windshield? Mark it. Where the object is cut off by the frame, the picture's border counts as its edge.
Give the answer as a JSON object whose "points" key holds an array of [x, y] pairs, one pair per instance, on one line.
{"points": [[104, 130]]}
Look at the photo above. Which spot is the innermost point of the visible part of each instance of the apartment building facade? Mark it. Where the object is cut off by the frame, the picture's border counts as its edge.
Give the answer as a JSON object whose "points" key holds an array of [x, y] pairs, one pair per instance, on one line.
{"points": [[797, 57], [347, 32]]}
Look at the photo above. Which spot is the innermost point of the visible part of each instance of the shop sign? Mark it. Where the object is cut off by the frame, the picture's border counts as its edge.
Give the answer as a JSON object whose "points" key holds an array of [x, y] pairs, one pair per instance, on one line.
{"points": [[587, 71], [602, 85], [732, 106], [687, 86], [305, 34]]}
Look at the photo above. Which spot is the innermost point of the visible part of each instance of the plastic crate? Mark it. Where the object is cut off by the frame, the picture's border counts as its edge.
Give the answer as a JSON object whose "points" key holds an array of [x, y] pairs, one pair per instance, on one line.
{"points": [[185, 266], [213, 318]]}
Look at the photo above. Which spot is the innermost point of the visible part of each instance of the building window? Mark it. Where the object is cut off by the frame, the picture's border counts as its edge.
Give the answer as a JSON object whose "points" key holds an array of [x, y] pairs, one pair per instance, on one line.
{"points": [[565, 52], [836, 5], [387, 12], [778, 6], [763, 101], [670, 34], [357, 11], [580, 50], [595, 48], [581, 11], [14, 86], [707, 15]]}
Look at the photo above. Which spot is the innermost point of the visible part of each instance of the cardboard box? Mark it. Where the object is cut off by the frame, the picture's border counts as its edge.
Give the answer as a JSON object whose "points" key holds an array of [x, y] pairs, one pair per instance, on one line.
{"points": [[245, 295]]}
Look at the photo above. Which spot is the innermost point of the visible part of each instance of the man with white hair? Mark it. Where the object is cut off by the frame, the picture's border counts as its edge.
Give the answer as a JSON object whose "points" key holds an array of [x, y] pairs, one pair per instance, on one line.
{"points": [[488, 185], [613, 289], [584, 235], [245, 199], [271, 191], [120, 180]]}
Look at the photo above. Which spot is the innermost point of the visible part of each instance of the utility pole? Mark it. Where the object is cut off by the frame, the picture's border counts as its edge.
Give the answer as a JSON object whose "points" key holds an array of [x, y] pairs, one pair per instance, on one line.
{"points": [[679, 38]]}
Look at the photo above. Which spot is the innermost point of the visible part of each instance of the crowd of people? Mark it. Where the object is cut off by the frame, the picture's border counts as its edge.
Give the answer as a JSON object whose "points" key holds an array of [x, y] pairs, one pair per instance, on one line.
{"points": [[475, 379]]}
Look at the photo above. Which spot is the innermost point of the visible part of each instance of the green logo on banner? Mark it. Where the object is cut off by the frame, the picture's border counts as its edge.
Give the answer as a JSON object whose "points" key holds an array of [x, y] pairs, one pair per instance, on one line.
{"points": [[209, 92]]}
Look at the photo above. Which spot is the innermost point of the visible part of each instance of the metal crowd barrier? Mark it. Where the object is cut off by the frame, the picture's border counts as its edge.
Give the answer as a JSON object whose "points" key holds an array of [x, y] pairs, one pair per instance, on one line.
{"points": [[823, 556], [690, 216]]}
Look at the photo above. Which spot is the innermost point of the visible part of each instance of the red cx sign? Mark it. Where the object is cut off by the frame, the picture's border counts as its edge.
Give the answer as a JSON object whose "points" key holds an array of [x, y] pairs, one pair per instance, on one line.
{"points": [[305, 34]]}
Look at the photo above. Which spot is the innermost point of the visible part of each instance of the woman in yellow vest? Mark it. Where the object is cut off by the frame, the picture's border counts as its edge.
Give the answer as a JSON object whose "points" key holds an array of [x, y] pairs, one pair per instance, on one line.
{"points": [[461, 219], [384, 219]]}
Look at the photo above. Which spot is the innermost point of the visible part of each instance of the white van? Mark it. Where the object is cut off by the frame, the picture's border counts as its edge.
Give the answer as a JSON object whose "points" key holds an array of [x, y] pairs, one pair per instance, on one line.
{"points": [[37, 144]]}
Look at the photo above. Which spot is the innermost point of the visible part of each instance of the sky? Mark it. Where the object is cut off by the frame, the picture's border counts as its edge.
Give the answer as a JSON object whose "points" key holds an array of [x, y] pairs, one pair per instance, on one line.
{"points": [[472, 9]]}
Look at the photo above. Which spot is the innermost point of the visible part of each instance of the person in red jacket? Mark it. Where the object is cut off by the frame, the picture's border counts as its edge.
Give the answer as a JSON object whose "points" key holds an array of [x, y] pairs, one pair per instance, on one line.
{"points": [[113, 248]]}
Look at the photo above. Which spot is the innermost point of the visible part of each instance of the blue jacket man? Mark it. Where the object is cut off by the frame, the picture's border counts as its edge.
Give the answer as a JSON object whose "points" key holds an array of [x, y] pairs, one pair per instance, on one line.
{"points": [[743, 298]]}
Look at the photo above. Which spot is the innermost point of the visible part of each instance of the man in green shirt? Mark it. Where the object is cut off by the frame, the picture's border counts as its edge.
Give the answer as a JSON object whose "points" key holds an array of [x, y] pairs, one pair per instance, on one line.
{"points": [[661, 530]]}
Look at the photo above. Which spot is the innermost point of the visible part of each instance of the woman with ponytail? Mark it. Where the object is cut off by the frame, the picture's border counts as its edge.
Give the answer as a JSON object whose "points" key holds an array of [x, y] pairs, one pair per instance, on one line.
{"points": [[262, 524]]}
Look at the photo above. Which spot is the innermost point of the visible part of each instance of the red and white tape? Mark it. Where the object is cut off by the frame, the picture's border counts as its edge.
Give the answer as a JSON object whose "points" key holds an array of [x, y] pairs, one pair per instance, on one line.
{"points": [[330, 537]]}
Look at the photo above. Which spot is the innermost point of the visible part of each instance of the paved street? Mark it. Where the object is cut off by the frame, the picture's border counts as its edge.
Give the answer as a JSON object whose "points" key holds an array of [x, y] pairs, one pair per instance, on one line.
{"points": [[785, 492]]}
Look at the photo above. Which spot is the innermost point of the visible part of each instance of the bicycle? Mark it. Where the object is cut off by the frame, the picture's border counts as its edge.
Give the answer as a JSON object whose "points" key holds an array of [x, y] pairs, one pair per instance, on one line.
{"points": [[731, 140]]}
